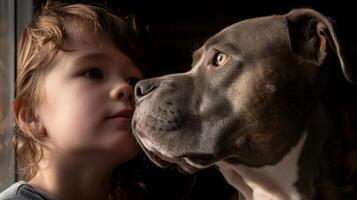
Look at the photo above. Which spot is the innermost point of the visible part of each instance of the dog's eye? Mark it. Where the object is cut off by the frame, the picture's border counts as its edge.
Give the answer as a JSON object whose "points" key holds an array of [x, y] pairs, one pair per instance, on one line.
{"points": [[220, 59]]}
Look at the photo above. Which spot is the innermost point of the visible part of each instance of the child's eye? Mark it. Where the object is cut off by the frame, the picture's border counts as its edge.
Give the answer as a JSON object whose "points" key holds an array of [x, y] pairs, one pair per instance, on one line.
{"points": [[93, 73], [132, 81]]}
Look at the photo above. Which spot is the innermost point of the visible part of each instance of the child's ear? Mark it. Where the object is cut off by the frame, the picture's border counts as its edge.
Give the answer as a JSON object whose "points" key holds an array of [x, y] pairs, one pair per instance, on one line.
{"points": [[28, 121]]}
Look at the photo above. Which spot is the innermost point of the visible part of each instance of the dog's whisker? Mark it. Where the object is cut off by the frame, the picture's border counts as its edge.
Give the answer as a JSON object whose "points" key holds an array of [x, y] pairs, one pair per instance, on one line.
{"points": [[190, 188]]}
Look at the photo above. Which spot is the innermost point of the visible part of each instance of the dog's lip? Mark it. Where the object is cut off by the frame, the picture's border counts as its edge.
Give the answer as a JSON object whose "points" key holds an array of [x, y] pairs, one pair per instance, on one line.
{"points": [[157, 159], [200, 160], [124, 113], [153, 155], [204, 156], [164, 162]]}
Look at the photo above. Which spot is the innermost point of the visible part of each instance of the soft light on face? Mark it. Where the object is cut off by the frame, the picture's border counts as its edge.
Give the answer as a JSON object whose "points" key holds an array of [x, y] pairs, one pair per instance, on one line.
{"points": [[83, 90]]}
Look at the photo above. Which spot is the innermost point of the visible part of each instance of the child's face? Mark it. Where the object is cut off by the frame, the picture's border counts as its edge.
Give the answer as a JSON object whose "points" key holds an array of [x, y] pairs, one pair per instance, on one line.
{"points": [[83, 91]]}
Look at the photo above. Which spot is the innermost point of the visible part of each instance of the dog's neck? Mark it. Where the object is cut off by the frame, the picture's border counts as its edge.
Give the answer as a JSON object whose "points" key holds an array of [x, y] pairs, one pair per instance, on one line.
{"points": [[293, 177], [268, 182]]}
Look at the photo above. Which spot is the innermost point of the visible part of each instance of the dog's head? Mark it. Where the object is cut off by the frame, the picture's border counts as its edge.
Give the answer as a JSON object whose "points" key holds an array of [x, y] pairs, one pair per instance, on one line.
{"points": [[246, 97]]}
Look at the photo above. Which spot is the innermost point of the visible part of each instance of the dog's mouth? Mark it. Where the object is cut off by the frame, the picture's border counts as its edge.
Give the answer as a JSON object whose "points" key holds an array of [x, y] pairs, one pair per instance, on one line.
{"points": [[198, 160], [190, 162], [159, 159]]}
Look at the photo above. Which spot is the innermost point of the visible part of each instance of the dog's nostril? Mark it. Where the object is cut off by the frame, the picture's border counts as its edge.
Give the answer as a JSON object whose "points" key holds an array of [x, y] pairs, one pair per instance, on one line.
{"points": [[138, 92], [142, 90]]}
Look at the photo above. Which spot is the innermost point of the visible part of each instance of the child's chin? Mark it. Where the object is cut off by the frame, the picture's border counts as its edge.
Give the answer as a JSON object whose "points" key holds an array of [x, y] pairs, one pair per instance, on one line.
{"points": [[127, 150]]}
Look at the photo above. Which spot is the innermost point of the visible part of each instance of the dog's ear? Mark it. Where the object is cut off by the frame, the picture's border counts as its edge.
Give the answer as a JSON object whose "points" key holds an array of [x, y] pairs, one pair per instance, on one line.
{"points": [[312, 35]]}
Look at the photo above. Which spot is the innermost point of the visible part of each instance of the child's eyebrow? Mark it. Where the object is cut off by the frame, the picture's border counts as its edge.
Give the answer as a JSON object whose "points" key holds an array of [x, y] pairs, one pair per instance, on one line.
{"points": [[90, 57]]}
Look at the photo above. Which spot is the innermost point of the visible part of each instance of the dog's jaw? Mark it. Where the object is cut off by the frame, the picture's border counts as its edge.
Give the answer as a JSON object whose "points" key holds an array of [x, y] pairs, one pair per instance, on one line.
{"points": [[268, 182]]}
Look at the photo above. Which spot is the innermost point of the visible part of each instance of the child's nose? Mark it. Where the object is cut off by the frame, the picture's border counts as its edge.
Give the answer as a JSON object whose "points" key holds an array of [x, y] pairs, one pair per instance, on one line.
{"points": [[123, 92]]}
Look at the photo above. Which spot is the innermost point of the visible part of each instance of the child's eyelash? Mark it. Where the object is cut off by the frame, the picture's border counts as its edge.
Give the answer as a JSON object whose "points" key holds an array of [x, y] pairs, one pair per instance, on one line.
{"points": [[93, 73]]}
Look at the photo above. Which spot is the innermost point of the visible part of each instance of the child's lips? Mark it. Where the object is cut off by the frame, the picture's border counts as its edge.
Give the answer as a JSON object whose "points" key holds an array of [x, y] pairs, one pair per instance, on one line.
{"points": [[123, 114]]}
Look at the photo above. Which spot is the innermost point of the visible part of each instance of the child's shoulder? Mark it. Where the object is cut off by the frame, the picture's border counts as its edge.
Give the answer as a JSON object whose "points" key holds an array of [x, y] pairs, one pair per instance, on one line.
{"points": [[22, 191], [12, 192]]}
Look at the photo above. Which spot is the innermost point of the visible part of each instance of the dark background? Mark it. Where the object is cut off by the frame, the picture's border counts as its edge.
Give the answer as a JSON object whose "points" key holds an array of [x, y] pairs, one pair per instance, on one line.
{"points": [[171, 31]]}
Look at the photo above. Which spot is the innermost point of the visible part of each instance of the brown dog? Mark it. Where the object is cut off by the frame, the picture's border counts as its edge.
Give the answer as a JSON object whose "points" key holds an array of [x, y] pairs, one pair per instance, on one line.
{"points": [[251, 105]]}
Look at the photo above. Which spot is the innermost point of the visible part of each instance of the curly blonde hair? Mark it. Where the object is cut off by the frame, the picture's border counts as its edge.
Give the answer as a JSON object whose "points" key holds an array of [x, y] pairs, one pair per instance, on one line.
{"points": [[38, 44]]}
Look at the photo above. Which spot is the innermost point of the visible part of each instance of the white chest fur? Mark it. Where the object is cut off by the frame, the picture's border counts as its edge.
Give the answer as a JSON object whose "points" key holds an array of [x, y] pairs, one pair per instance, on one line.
{"points": [[274, 182]]}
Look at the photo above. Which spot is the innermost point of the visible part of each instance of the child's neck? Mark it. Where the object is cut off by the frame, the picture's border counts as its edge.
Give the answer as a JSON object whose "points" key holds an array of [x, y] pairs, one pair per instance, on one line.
{"points": [[65, 181]]}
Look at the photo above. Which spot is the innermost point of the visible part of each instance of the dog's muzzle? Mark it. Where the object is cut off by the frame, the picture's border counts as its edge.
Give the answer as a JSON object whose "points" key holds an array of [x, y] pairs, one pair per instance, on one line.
{"points": [[166, 126]]}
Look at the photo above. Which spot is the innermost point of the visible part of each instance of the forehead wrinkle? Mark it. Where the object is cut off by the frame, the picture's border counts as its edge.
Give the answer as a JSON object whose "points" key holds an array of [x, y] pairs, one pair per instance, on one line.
{"points": [[197, 58], [228, 47]]}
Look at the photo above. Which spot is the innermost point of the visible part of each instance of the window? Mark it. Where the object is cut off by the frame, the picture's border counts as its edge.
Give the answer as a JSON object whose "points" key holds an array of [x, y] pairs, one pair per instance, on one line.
{"points": [[14, 14]]}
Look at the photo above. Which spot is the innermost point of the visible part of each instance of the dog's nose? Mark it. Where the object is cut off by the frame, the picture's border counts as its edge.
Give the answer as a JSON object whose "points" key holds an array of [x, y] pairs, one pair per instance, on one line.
{"points": [[143, 88]]}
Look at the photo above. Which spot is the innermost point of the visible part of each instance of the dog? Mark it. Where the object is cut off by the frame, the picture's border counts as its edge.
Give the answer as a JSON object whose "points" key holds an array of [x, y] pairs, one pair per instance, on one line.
{"points": [[251, 105]]}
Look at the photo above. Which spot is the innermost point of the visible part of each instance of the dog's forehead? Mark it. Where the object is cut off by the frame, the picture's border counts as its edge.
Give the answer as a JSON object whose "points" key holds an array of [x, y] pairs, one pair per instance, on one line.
{"points": [[252, 33]]}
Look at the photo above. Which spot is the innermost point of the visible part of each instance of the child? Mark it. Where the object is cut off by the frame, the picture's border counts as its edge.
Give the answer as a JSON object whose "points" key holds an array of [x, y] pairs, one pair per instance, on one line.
{"points": [[76, 72]]}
